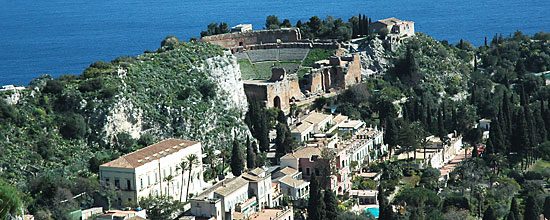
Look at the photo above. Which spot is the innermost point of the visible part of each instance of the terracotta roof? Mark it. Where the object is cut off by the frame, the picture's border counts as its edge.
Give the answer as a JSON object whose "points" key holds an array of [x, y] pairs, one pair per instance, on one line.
{"points": [[257, 172], [288, 171], [351, 124], [306, 152], [339, 118], [392, 21], [292, 182], [303, 127], [316, 117], [232, 186], [150, 153]]}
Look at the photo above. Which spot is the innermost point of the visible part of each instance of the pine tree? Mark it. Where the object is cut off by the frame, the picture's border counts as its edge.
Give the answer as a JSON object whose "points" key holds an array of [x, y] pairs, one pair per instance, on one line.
{"points": [[489, 214], [546, 208], [250, 155], [237, 160], [331, 204], [532, 211], [315, 210]]}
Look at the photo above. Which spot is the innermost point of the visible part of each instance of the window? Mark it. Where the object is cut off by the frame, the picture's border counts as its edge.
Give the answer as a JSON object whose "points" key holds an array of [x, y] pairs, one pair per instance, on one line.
{"points": [[170, 170], [156, 178], [148, 180], [117, 183], [128, 184], [317, 171], [141, 182], [307, 171], [164, 172]]}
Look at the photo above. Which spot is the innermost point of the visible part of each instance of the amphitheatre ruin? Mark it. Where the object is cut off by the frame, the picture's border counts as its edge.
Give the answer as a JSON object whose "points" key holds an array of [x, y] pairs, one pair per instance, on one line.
{"points": [[273, 68]]}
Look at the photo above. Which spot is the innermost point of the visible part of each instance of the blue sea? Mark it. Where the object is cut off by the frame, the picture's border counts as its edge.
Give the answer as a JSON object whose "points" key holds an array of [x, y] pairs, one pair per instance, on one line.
{"points": [[63, 37]]}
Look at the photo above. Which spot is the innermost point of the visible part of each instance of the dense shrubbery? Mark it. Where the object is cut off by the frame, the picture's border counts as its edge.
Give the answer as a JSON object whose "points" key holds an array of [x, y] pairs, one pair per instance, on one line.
{"points": [[58, 133]]}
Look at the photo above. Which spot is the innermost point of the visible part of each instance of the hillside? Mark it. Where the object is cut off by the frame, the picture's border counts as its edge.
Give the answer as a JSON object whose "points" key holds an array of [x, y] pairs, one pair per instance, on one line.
{"points": [[66, 127]]}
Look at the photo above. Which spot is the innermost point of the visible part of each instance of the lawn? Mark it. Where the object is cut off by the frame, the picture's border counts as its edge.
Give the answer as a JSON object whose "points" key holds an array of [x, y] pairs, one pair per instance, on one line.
{"points": [[262, 70], [247, 70], [315, 55], [540, 166]]}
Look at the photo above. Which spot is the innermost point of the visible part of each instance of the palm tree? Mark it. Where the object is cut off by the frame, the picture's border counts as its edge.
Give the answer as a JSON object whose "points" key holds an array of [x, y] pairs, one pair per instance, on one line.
{"points": [[183, 167], [168, 179], [192, 160]]}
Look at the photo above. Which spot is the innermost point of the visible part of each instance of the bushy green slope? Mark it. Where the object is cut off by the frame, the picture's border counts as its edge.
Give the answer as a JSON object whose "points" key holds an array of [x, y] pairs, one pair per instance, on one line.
{"points": [[66, 127]]}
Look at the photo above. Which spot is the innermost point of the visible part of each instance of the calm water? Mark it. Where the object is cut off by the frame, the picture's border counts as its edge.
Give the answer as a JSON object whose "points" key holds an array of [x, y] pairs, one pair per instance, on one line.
{"points": [[59, 37]]}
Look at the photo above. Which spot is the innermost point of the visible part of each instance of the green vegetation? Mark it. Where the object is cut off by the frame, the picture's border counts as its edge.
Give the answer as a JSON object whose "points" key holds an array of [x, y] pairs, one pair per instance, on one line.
{"points": [[262, 70], [315, 55], [214, 29], [61, 129]]}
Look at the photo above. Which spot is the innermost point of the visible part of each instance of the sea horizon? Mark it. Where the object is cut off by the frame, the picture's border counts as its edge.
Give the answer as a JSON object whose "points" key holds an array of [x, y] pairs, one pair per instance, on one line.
{"points": [[58, 37]]}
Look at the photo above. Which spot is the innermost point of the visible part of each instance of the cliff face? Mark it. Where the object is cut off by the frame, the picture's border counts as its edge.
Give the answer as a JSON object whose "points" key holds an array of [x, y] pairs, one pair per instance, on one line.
{"points": [[205, 103]]}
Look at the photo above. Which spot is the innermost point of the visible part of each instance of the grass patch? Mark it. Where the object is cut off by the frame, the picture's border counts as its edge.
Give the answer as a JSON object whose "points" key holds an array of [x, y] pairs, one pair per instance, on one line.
{"points": [[262, 70], [247, 70], [540, 166], [315, 55]]}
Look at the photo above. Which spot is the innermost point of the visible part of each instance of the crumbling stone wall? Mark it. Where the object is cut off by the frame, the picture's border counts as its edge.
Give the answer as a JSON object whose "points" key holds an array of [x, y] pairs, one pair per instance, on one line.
{"points": [[337, 73], [243, 39], [278, 92]]}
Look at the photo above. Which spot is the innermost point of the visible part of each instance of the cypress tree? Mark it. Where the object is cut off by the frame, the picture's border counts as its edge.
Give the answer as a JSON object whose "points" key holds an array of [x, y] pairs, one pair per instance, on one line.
{"points": [[497, 137], [441, 126], [532, 211], [391, 134], [489, 214], [386, 212], [331, 204], [283, 142], [281, 117], [546, 208], [485, 40], [237, 160], [520, 137], [511, 216], [250, 154], [315, 210], [360, 24], [507, 113], [546, 117], [263, 132], [514, 208]]}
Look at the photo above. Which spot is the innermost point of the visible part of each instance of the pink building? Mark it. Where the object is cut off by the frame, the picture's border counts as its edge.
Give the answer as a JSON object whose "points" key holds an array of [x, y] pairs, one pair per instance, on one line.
{"points": [[308, 160]]}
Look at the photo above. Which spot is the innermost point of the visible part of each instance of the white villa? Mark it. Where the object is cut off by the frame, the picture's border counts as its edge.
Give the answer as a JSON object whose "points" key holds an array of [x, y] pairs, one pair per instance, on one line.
{"points": [[144, 172]]}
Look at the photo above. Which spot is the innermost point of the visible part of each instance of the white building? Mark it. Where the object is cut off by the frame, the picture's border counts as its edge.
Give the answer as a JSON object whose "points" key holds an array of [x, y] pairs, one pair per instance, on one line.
{"points": [[302, 132], [243, 196], [353, 126], [144, 172], [320, 121]]}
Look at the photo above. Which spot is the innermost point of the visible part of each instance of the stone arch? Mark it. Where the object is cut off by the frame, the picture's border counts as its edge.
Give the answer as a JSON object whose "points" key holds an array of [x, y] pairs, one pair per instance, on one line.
{"points": [[277, 102]]}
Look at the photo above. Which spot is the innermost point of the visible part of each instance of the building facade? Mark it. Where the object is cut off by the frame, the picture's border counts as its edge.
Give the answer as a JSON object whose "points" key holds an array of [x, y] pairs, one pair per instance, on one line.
{"points": [[154, 170]]}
